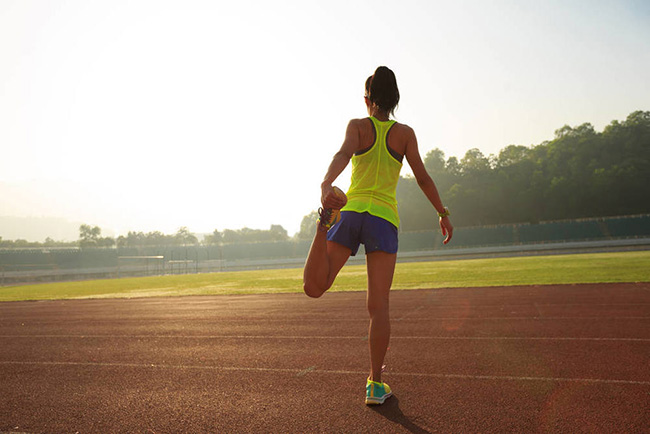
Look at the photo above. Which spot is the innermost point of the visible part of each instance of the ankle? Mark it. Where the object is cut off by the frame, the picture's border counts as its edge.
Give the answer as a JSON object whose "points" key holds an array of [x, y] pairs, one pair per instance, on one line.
{"points": [[375, 378]]}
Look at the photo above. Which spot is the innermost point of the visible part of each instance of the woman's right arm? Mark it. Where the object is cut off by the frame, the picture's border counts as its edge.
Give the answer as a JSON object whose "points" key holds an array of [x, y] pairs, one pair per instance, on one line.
{"points": [[426, 184], [338, 164]]}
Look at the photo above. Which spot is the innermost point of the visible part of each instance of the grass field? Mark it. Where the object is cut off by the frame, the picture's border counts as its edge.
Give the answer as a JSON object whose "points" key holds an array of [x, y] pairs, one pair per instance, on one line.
{"points": [[531, 270]]}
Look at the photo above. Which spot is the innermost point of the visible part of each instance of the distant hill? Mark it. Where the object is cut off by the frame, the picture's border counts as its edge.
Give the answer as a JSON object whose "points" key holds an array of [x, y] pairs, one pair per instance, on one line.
{"points": [[38, 228]]}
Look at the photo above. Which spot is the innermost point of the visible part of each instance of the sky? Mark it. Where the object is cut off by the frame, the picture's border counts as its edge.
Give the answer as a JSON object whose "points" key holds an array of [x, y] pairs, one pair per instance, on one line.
{"points": [[151, 115]]}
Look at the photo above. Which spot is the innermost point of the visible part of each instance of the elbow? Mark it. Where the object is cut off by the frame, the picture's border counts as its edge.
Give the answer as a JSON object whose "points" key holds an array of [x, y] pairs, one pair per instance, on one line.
{"points": [[424, 182]]}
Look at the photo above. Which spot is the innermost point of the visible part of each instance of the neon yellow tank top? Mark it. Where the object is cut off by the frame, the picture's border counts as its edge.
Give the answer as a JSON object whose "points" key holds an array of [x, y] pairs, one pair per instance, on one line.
{"points": [[375, 173]]}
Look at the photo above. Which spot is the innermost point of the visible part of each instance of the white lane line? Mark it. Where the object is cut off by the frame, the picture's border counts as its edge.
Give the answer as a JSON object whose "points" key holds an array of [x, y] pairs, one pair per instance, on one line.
{"points": [[447, 338], [408, 313], [535, 318], [521, 338], [306, 371], [516, 378], [590, 304], [237, 321], [296, 371]]}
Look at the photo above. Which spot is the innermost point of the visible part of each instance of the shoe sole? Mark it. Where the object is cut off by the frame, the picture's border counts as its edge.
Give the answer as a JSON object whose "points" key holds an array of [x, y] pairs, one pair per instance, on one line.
{"points": [[378, 401]]}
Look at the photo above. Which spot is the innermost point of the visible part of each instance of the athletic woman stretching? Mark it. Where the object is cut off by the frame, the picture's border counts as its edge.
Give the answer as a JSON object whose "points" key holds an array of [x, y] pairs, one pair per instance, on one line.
{"points": [[376, 147]]}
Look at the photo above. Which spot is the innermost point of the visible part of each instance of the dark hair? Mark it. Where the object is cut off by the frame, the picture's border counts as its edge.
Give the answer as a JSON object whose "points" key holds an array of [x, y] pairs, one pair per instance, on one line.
{"points": [[381, 89]]}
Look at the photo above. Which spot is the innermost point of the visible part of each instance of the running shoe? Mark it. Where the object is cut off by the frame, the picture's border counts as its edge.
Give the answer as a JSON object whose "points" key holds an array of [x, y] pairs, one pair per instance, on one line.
{"points": [[377, 393], [328, 217]]}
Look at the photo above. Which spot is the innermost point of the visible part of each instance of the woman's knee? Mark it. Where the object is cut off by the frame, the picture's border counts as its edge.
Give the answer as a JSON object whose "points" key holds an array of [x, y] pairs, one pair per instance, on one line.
{"points": [[312, 290], [377, 306]]}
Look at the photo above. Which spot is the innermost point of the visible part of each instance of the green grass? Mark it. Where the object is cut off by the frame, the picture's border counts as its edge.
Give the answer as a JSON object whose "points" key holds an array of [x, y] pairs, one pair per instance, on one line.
{"points": [[532, 270]]}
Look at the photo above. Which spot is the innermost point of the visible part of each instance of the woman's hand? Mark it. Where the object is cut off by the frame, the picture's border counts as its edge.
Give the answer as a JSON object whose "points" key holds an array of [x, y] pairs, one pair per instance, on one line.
{"points": [[446, 228], [330, 199]]}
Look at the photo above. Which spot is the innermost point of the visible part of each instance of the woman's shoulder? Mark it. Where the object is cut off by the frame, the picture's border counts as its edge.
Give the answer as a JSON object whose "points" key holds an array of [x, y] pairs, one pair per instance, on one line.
{"points": [[360, 121], [402, 126], [403, 129], [366, 121], [397, 130], [361, 125]]}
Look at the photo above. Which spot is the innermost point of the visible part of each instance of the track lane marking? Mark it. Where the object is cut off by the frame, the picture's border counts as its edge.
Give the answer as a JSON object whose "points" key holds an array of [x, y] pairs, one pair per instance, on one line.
{"points": [[306, 371], [297, 371], [6, 322], [468, 338]]}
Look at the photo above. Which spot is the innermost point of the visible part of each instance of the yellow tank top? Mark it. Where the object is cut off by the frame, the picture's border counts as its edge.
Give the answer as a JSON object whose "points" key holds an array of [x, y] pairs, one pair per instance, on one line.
{"points": [[375, 173]]}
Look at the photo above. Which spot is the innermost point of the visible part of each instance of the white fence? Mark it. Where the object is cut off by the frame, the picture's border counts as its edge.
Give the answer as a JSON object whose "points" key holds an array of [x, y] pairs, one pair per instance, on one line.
{"points": [[156, 265]]}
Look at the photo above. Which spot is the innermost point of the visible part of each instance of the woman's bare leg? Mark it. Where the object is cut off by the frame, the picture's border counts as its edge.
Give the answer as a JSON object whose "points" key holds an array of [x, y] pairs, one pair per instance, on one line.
{"points": [[381, 268], [325, 260]]}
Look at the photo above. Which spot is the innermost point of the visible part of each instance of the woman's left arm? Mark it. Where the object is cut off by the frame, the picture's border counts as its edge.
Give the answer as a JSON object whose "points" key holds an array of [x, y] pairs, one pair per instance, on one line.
{"points": [[427, 185]]}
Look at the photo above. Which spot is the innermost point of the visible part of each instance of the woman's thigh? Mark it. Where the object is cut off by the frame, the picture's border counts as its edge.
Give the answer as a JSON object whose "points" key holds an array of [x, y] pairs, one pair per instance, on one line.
{"points": [[381, 269], [338, 255]]}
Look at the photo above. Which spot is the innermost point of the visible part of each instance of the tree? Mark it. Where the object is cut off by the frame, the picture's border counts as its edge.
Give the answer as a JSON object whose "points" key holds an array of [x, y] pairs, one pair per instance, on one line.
{"points": [[185, 237], [213, 239], [248, 235], [511, 155], [308, 226], [278, 233], [434, 162], [91, 237], [231, 236], [475, 162], [580, 173], [453, 166]]}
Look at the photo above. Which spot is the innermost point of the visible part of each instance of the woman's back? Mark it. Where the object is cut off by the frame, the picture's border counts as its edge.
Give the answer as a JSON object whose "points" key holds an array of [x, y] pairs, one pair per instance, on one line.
{"points": [[376, 166], [397, 139]]}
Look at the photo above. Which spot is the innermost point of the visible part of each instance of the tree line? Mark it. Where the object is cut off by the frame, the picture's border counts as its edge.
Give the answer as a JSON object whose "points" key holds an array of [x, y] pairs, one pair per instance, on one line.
{"points": [[91, 236], [581, 173]]}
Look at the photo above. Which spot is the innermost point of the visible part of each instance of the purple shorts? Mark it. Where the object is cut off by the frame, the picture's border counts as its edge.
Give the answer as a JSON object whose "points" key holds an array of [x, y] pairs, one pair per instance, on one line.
{"points": [[373, 232]]}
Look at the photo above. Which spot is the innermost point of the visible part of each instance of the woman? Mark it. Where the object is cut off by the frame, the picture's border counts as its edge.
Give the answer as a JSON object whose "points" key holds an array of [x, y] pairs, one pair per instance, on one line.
{"points": [[376, 147]]}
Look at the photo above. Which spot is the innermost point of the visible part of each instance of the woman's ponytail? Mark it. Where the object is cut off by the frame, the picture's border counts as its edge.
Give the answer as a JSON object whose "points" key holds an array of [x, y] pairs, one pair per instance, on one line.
{"points": [[382, 89]]}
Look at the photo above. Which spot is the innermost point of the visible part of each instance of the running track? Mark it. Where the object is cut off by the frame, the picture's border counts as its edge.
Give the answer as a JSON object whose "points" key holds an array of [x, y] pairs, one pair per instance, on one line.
{"points": [[518, 359]]}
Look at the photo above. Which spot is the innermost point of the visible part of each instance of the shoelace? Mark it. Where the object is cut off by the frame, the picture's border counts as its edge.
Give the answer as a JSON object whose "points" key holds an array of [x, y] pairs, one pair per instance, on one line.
{"points": [[325, 215]]}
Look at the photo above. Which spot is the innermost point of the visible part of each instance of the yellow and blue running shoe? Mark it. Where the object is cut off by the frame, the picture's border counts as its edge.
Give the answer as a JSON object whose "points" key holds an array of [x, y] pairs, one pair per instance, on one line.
{"points": [[377, 393], [328, 217]]}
